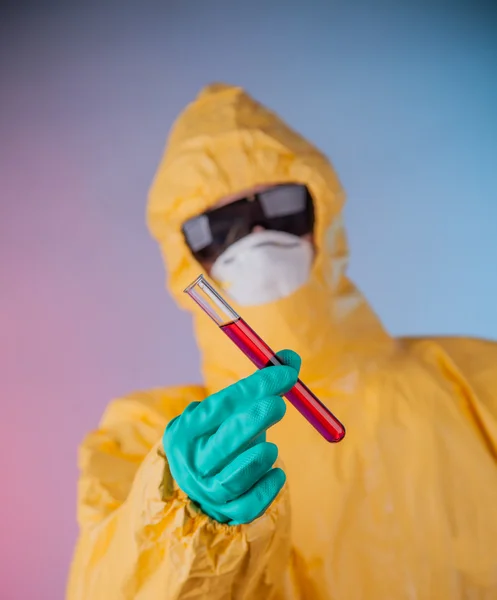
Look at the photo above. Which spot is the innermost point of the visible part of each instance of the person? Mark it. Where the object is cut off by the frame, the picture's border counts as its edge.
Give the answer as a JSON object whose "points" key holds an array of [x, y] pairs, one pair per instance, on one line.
{"points": [[219, 490]]}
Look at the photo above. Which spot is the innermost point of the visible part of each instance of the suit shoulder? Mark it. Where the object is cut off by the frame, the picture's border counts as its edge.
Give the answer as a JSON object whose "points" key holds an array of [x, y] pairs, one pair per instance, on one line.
{"points": [[159, 404]]}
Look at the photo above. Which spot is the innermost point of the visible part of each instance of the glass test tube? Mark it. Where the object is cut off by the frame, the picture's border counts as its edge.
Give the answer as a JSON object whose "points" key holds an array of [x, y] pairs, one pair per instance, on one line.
{"points": [[262, 356]]}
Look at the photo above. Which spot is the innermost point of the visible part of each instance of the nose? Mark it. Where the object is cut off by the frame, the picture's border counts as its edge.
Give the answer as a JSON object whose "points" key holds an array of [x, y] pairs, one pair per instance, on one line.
{"points": [[257, 229]]}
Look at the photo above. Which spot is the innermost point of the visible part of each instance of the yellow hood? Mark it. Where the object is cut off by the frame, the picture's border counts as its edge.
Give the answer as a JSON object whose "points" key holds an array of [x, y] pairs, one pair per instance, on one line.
{"points": [[223, 143]]}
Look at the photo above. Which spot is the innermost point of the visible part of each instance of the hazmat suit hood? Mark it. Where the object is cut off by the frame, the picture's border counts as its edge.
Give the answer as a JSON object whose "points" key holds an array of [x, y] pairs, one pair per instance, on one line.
{"points": [[224, 143]]}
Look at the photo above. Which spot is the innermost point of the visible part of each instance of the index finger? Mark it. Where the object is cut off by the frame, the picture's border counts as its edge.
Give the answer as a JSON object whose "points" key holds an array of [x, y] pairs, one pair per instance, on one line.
{"points": [[272, 381]]}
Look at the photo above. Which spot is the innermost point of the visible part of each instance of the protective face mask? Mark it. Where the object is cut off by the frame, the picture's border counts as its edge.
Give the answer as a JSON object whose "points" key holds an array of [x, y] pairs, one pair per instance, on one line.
{"points": [[263, 267]]}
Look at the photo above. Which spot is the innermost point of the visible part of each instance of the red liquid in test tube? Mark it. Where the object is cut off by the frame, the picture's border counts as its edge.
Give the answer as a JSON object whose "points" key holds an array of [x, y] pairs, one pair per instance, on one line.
{"points": [[262, 356]]}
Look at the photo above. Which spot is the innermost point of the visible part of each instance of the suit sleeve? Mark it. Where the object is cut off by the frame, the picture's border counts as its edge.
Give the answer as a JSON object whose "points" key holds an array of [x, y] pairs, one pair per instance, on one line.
{"points": [[140, 536]]}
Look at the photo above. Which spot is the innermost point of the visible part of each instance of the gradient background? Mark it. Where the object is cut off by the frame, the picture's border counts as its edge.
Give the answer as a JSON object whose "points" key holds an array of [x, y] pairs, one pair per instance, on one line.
{"points": [[404, 100]]}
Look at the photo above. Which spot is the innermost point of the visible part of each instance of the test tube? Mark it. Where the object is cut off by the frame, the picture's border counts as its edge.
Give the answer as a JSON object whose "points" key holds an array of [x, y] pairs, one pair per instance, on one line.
{"points": [[254, 347]]}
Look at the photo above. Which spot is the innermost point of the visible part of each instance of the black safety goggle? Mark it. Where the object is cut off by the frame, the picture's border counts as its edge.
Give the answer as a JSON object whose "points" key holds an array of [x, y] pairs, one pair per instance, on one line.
{"points": [[287, 208]]}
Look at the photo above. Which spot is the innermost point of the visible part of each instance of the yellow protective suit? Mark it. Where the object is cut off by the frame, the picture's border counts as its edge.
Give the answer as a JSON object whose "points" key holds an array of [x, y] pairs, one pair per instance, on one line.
{"points": [[404, 508]]}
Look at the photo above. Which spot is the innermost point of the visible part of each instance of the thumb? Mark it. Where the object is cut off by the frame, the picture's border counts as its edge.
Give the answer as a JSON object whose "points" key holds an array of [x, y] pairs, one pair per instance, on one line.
{"points": [[290, 358]]}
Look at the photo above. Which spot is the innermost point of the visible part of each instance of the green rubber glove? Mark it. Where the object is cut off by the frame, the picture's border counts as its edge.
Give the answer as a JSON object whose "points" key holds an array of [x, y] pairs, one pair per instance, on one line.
{"points": [[217, 449]]}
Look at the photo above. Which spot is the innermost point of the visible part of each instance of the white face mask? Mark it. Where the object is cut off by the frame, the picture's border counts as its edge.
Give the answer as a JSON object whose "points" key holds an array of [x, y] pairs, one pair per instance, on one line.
{"points": [[263, 267]]}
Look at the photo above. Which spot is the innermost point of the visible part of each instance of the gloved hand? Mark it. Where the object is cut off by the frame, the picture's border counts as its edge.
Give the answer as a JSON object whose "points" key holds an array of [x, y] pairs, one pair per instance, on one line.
{"points": [[217, 448]]}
